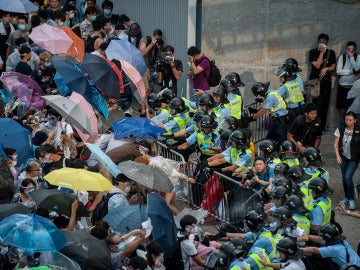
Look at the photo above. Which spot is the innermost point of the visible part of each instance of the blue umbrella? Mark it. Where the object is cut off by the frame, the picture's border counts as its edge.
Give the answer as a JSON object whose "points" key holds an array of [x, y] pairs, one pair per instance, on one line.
{"points": [[18, 6], [136, 127], [162, 220], [31, 233], [104, 159], [127, 218], [6, 96], [13, 135], [124, 50]]}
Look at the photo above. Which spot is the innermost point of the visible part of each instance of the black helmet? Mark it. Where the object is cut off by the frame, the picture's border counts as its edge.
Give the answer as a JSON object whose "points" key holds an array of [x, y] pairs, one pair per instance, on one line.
{"points": [[166, 96], [227, 84], [206, 100], [287, 146], [283, 72], [207, 122], [153, 101], [296, 204], [259, 88], [319, 185], [254, 220], [178, 104], [330, 233], [283, 214], [229, 123], [221, 92], [280, 192], [239, 139], [217, 259], [297, 174], [234, 78], [289, 247], [313, 156], [240, 244], [224, 139], [281, 168], [198, 115], [283, 181], [292, 65], [268, 147]]}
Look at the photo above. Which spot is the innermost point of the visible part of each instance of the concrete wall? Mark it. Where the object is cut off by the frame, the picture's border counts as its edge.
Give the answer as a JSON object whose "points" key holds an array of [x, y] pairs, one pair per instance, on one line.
{"points": [[253, 37]]}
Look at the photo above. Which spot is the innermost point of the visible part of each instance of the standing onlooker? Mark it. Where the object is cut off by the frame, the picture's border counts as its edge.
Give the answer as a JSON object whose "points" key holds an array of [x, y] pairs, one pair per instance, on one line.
{"points": [[133, 29], [44, 74], [348, 66], [347, 149], [22, 67], [14, 58], [323, 61], [6, 27], [107, 7], [21, 32], [70, 15], [199, 70], [86, 28], [53, 9]]}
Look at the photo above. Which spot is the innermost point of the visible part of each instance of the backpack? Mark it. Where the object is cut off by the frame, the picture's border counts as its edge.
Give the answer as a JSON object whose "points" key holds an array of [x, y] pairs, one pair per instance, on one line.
{"points": [[175, 262], [215, 75], [101, 209], [344, 59]]}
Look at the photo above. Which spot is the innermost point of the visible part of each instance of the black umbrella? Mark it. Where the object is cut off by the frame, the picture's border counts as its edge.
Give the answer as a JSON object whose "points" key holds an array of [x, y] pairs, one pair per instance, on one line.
{"points": [[101, 74], [89, 252], [9, 209], [51, 199]]}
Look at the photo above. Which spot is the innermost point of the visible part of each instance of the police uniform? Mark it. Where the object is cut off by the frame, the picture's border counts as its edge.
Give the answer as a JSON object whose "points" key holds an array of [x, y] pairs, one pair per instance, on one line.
{"points": [[221, 111], [240, 157], [212, 140], [306, 194], [337, 253], [318, 172], [235, 105], [161, 116], [294, 264], [239, 264], [302, 222], [293, 96], [277, 108], [262, 239], [291, 162], [320, 212], [254, 259], [175, 124]]}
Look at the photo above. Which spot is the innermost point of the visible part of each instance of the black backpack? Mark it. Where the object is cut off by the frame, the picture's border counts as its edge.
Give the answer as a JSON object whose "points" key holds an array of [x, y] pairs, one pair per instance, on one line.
{"points": [[175, 262], [215, 75], [101, 209]]}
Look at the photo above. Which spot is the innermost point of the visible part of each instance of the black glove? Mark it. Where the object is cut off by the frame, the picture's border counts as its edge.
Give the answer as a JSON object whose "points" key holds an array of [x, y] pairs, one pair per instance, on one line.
{"points": [[259, 99], [252, 110], [203, 165]]}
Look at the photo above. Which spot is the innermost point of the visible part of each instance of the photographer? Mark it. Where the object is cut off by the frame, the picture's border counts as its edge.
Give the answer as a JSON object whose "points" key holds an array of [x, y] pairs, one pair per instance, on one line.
{"points": [[169, 70]]}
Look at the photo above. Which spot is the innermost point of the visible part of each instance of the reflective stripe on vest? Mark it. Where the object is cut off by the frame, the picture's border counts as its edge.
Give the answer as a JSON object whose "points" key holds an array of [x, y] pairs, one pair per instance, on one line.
{"points": [[325, 208], [280, 100], [274, 240], [180, 122], [188, 105], [291, 162], [307, 197], [167, 111], [257, 258], [235, 154], [303, 223], [239, 265], [235, 107], [201, 139], [295, 94]]}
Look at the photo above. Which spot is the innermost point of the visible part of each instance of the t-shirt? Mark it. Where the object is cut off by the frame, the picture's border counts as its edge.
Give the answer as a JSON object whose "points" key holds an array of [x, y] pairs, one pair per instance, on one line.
{"points": [[169, 79], [201, 79], [134, 32], [314, 55], [305, 132], [346, 141], [23, 68], [188, 250], [14, 36]]}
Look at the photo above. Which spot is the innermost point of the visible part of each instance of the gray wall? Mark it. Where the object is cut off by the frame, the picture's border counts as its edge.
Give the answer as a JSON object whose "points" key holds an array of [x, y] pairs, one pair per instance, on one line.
{"points": [[254, 37]]}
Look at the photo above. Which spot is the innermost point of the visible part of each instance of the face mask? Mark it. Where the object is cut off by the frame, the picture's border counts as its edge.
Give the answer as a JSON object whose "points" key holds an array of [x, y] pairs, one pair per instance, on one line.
{"points": [[51, 123], [161, 258], [71, 15], [29, 191], [21, 27], [107, 11], [47, 64], [14, 157], [60, 23], [13, 163], [4, 250], [121, 246], [46, 161], [93, 18], [127, 189], [273, 225]]}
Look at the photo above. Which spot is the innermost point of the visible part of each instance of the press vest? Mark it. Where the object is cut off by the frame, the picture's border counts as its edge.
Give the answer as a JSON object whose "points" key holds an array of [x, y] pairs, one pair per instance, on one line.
{"points": [[281, 103], [235, 107], [295, 94], [325, 208], [235, 154], [210, 141], [354, 144], [180, 121]]}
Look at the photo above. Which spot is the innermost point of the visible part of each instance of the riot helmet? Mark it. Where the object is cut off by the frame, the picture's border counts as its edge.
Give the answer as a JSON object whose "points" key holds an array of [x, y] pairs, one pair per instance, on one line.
{"points": [[227, 84], [178, 105], [239, 139], [296, 204], [292, 65], [287, 149], [224, 139], [297, 174], [217, 260], [254, 220], [283, 214], [207, 122], [234, 78], [221, 92], [281, 169], [289, 247], [283, 181], [206, 100], [229, 123], [153, 101], [320, 186], [198, 115], [166, 96], [260, 89], [331, 234], [268, 147], [313, 156]]}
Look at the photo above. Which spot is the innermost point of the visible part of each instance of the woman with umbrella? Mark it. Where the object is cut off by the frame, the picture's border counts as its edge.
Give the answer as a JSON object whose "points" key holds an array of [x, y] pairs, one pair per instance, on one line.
{"points": [[27, 186]]}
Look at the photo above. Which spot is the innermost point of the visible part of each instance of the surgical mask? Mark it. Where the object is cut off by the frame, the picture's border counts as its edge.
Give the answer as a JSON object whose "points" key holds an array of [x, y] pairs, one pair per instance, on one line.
{"points": [[21, 27], [13, 163], [93, 18], [127, 189], [161, 257], [121, 246], [51, 123], [4, 250], [14, 157], [29, 191], [60, 23], [45, 160], [107, 11], [273, 225], [47, 64]]}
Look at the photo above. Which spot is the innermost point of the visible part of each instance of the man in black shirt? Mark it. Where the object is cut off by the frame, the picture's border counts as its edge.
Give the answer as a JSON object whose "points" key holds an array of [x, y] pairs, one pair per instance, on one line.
{"points": [[305, 130], [323, 62]]}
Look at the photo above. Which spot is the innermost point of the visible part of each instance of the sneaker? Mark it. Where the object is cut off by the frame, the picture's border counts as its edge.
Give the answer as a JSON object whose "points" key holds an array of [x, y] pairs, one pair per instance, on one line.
{"points": [[345, 201], [352, 205]]}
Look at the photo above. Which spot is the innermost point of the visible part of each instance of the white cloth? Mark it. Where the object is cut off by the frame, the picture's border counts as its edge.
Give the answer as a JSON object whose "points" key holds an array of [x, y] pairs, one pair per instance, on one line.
{"points": [[346, 141], [347, 76]]}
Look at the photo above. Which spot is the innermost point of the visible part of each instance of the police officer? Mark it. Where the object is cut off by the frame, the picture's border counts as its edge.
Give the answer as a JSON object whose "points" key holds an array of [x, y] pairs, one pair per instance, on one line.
{"points": [[276, 105], [292, 65], [178, 119], [267, 149], [235, 80], [206, 102], [296, 205], [313, 163], [220, 109], [288, 153], [235, 101], [320, 211], [301, 178], [161, 109], [194, 125]]}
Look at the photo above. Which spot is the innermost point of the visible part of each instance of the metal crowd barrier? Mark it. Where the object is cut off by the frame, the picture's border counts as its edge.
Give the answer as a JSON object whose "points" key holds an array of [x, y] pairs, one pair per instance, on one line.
{"points": [[259, 127]]}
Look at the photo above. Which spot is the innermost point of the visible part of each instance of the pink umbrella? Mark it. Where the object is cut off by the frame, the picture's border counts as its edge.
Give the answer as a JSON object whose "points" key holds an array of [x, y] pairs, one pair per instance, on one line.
{"points": [[51, 38], [88, 109], [135, 77], [24, 88]]}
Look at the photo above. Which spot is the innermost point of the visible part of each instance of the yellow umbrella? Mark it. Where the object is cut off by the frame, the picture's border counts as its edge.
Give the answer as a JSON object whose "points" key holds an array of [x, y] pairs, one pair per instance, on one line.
{"points": [[78, 179]]}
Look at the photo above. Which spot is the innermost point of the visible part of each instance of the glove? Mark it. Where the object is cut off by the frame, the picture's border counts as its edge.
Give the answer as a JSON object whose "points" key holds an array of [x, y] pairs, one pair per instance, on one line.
{"points": [[203, 165], [259, 99], [204, 146], [252, 110]]}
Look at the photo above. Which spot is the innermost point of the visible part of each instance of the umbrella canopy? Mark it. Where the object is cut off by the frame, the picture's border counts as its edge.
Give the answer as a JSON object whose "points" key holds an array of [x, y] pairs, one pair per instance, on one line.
{"points": [[162, 220], [9, 209], [23, 87], [71, 111], [51, 38], [125, 219], [136, 127], [31, 233], [18, 6], [101, 74], [150, 177], [61, 262], [78, 179], [88, 109], [124, 50], [104, 159], [89, 252], [51, 199], [13, 135], [77, 49]]}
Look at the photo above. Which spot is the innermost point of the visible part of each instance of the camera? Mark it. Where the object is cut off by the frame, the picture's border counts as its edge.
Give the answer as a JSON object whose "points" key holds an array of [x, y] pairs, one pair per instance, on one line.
{"points": [[160, 42], [169, 58]]}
